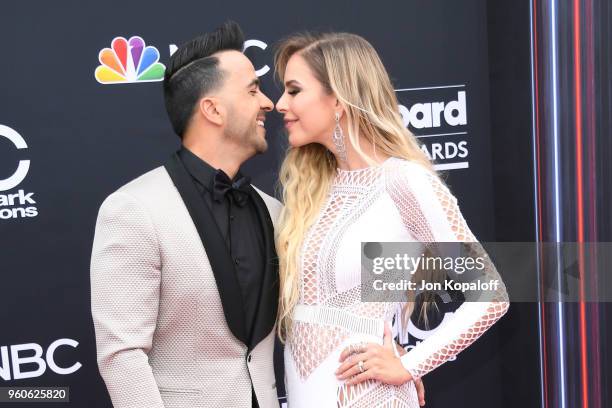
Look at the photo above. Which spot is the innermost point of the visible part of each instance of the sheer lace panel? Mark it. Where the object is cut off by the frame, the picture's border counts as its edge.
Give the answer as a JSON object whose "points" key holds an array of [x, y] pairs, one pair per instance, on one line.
{"points": [[352, 193], [451, 210], [422, 189], [311, 250], [373, 394], [460, 341], [409, 209], [306, 335], [429, 213]]}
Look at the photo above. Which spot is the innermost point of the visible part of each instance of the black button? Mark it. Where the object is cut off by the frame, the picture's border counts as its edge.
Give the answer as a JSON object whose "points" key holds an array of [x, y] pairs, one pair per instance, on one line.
{"points": [[249, 358], [236, 261]]}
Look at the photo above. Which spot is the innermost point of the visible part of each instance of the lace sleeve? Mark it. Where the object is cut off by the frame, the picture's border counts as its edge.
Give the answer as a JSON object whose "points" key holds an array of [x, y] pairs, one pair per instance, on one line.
{"points": [[430, 213]]}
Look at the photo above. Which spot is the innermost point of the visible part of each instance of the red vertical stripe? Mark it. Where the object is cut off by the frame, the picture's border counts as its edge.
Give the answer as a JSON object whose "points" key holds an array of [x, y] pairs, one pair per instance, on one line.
{"points": [[578, 122], [580, 202]]}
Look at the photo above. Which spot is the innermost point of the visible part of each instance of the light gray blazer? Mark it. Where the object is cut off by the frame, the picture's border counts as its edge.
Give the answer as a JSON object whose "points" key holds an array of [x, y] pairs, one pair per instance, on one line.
{"points": [[161, 333]]}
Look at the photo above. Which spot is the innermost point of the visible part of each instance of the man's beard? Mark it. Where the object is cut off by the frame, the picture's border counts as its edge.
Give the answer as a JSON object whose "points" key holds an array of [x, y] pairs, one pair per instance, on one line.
{"points": [[247, 138], [260, 143]]}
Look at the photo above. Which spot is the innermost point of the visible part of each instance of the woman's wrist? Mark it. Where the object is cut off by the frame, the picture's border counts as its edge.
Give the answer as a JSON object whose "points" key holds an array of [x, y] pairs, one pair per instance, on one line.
{"points": [[406, 365]]}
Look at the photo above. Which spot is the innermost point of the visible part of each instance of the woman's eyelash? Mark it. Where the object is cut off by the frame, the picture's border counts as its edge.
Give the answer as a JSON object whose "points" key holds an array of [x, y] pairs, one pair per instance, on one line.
{"points": [[293, 92]]}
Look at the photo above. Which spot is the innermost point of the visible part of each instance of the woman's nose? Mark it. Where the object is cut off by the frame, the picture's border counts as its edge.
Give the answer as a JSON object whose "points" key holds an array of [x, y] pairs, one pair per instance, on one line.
{"points": [[280, 104]]}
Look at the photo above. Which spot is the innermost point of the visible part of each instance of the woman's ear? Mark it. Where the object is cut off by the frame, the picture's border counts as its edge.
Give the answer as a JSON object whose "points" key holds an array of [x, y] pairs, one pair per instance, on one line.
{"points": [[338, 108]]}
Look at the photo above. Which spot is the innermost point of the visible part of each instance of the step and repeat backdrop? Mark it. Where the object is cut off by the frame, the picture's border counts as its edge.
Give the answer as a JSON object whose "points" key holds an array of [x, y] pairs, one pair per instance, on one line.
{"points": [[71, 132]]}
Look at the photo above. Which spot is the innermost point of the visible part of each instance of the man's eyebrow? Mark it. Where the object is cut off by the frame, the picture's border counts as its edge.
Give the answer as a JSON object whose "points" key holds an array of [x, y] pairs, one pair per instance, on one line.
{"points": [[255, 82]]}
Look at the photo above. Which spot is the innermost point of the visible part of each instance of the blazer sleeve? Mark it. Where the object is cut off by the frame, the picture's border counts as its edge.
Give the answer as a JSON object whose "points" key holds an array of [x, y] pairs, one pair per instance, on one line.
{"points": [[125, 282]]}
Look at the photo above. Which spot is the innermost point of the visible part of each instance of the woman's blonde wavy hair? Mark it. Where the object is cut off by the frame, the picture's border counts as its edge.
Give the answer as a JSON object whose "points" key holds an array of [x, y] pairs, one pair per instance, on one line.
{"points": [[349, 68]]}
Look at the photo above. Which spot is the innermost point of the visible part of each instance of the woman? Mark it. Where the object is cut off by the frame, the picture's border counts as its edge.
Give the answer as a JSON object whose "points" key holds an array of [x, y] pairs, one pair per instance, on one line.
{"points": [[354, 173]]}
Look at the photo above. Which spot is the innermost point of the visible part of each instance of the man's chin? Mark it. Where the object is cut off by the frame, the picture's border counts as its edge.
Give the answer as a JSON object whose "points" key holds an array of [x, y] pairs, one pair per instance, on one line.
{"points": [[261, 146], [259, 141]]}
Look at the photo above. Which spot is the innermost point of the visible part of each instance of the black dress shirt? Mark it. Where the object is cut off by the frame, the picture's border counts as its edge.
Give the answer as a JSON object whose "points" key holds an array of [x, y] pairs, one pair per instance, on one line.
{"points": [[241, 228]]}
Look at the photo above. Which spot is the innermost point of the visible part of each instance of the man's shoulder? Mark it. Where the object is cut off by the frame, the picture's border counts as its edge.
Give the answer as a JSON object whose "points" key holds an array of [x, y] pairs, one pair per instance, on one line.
{"points": [[147, 184], [144, 190]]}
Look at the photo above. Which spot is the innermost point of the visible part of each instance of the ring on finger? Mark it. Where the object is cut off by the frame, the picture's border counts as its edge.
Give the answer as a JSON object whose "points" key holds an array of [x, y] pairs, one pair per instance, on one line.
{"points": [[360, 365]]}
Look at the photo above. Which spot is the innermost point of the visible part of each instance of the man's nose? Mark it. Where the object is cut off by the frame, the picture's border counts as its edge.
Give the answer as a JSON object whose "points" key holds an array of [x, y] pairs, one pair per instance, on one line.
{"points": [[267, 105]]}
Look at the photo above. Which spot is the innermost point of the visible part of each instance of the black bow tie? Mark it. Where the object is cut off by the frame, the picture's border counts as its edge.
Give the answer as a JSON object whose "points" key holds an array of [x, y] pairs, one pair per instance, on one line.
{"points": [[237, 190]]}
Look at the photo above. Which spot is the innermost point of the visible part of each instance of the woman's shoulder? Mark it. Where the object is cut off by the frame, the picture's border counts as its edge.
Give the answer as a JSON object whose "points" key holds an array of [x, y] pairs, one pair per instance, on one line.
{"points": [[401, 168]]}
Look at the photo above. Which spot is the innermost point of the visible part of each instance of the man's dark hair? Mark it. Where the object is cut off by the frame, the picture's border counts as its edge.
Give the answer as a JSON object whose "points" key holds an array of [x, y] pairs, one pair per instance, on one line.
{"points": [[192, 72]]}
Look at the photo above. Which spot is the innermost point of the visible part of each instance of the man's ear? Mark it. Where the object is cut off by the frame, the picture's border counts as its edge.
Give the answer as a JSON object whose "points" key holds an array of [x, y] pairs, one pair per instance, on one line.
{"points": [[212, 109]]}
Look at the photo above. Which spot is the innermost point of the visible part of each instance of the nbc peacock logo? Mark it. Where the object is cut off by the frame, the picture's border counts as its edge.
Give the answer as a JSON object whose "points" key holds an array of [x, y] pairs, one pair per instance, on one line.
{"points": [[129, 61]]}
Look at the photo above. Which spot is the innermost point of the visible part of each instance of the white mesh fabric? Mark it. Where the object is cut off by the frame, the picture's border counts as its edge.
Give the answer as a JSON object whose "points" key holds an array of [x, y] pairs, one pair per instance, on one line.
{"points": [[417, 191], [374, 394], [311, 344], [428, 212]]}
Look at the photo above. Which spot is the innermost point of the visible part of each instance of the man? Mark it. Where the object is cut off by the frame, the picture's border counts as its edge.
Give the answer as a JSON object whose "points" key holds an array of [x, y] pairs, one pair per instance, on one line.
{"points": [[184, 276]]}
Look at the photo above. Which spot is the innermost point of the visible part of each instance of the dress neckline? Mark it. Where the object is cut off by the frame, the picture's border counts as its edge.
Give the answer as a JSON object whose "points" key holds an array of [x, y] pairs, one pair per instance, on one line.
{"points": [[359, 177]]}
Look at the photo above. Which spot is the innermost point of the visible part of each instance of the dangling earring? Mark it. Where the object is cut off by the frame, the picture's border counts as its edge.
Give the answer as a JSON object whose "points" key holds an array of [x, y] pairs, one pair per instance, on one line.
{"points": [[338, 138]]}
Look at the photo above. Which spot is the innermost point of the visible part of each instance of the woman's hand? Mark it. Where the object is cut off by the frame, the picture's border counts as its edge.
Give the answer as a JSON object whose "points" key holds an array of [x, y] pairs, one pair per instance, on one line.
{"points": [[418, 383], [379, 363]]}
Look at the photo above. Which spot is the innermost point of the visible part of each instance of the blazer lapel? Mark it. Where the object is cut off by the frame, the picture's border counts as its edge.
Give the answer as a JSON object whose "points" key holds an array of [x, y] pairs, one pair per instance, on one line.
{"points": [[268, 299], [216, 250]]}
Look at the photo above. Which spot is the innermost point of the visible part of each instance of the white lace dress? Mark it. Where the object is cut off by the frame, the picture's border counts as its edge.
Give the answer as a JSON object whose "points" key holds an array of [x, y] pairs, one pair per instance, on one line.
{"points": [[396, 201]]}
